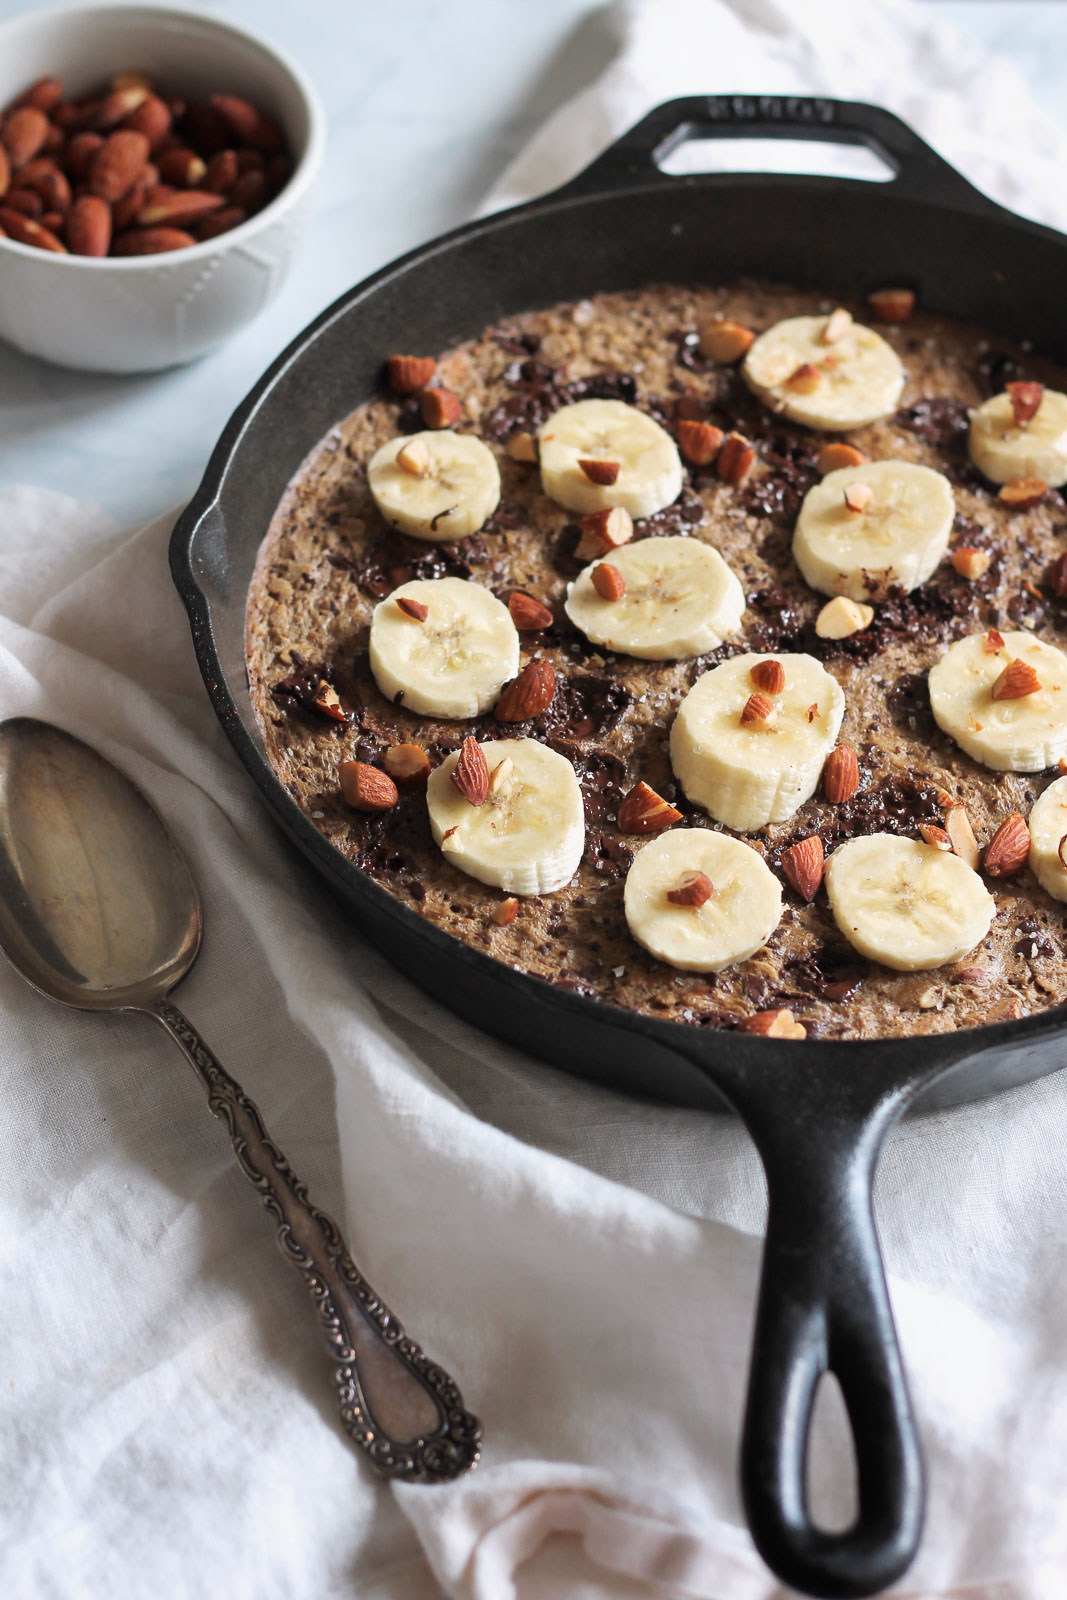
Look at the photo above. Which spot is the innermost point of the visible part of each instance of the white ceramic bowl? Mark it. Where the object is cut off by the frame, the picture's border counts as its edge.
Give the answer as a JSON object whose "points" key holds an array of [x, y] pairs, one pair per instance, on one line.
{"points": [[140, 313]]}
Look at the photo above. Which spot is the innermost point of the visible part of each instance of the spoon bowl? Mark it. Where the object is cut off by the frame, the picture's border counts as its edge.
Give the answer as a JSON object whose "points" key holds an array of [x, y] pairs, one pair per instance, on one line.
{"points": [[98, 908]]}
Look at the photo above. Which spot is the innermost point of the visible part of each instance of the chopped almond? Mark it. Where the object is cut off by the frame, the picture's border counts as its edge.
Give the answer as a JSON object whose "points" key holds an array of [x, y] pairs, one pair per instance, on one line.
{"points": [[892, 305], [842, 617], [1016, 681], [522, 447], [724, 340], [758, 712], [695, 889], [1025, 400], [970, 562], [858, 496], [1022, 493], [837, 325], [413, 608], [414, 457], [608, 581], [603, 473], [805, 380], [836, 454]]}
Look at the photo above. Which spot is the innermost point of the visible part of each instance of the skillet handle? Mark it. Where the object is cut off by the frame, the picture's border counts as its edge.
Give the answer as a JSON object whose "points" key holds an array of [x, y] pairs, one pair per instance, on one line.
{"points": [[918, 170], [824, 1306]]}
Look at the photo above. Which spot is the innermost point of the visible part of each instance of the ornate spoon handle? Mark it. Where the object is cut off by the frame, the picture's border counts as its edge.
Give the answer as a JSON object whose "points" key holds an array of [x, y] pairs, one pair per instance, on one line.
{"points": [[399, 1407]]}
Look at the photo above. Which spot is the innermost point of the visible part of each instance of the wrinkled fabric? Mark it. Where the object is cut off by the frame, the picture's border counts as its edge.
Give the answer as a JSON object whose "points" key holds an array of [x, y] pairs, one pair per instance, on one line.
{"points": [[584, 1265]]}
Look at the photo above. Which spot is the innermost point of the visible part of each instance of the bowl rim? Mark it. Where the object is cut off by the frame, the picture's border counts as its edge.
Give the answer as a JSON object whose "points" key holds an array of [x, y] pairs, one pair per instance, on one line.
{"points": [[302, 176]]}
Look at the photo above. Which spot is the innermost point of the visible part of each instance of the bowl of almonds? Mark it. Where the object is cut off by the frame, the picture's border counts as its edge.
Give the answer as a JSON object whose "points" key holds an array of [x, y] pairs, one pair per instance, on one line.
{"points": [[156, 178]]}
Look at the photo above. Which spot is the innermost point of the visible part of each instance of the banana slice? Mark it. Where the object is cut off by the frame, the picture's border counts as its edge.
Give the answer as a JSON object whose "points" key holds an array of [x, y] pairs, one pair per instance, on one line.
{"points": [[1048, 829], [746, 774], [610, 433], [1025, 732], [906, 904], [454, 661], [681, 599], [731, 924], [1001, 449], [896, 538], [852, 381], [449, 488], [529, 835]]}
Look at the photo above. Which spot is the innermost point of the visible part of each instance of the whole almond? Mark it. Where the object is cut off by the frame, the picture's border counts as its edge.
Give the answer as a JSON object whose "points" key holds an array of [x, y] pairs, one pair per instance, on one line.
{"points": [[151, 241], [203, 128], [528, 695], [250, 191], [54, 222], [5, 171], [440, 408], [249, 160], [248, 123], [118, 105], [179, 209], [699, 442], [840, 775], [117, 165], [1009, 849], [221, 222], [892, 305], [24, 230], [1025, 399], [768, 675], [835, 455], [471, 772], [44, 94], [603, 473], [608, 581], [366, 788], [642, 810], [181, 167], [124, 212], [89, 226], [735, 459], [27, 202], [24, 133], [694, 889], [409, 374], [54, 191], [1022, 493], [80, 152], [773, 1025], [803, 864], [407, 763], [152, 118], [528, 614], [724, 340], [221, 172]]}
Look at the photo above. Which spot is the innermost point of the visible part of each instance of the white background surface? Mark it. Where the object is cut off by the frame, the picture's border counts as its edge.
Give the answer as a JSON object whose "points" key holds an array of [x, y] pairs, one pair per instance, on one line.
{"points": [[427, 102]]}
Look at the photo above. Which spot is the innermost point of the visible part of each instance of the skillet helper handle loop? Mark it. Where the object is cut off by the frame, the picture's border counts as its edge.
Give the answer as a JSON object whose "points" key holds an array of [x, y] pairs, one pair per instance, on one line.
{"points": [[636, 156], [400, 1408], [824, 1306]]}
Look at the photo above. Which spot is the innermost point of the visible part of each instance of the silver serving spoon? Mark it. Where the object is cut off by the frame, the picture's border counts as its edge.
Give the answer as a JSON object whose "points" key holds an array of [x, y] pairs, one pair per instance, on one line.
{"points": [[98, 910]]}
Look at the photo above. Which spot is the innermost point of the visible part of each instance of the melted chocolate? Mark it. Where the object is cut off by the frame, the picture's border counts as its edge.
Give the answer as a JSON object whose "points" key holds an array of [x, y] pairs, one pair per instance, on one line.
{"points": [[299, 689], [830, 973], [584, 707], [1033, 940], [391, 561]]}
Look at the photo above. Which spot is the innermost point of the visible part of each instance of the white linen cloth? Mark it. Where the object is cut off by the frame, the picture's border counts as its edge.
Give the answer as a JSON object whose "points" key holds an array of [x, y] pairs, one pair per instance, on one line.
{"points": [[585, 1266]]}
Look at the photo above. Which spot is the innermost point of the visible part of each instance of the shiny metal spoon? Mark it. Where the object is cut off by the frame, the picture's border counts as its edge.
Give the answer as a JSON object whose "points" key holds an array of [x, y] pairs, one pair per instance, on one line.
{"points": [[98, 910]]}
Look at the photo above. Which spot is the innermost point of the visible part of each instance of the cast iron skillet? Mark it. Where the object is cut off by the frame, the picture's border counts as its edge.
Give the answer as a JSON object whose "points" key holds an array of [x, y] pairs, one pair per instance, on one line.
{"points": [[818, 1112]]}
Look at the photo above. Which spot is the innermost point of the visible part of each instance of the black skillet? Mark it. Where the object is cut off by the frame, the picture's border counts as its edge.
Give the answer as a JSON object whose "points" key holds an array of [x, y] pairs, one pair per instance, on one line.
{"points": [[818, 1112]]}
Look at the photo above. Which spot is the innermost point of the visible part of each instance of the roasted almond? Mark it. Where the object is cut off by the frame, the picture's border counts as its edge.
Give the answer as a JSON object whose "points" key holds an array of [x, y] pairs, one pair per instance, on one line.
{"points": [[440, 408], [89, 226], [840, 775], [735, 459], [858, 496], [413, 608], [608, 581], [24, 133], [892, 305], [1009, 849], [366, 788], [181, 167], [699, 442], [152, 118], [724, 340], [773, 1025], [758, 712], [221, 222], [803, 864], [1025, 399], [506, 911], [179, 209], [642, 810], [24, 230], [842, 617], [837, 325], [151, 241], [221, 173], [805, 379], [1016, 681], [5, 171], [603, 473], [958, 827], [693, 889], [406, 763], [327, 703], [80, 152], [528, 614], [414, 458], [994, 642], [971, 562], [522, 447], [117, 165], [835, 455], [118, 105], [604, 531], [250, 191], [768, 675], [248, 123], [937, 838], [44, 93], [409, 374], [1022, 493], [125, 211], [471, 772], [527, 695]]}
